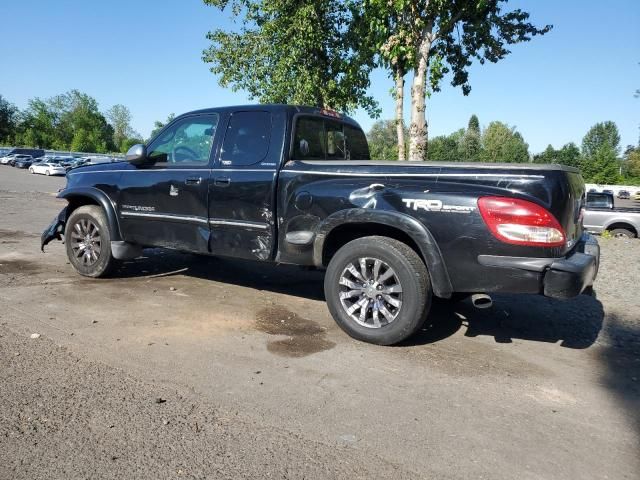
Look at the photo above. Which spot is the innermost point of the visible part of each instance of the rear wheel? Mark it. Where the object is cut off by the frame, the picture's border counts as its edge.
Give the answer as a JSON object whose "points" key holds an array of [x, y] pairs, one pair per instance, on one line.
{"points": [[88, 242], [31, 170], [622, 233], [378, 290]]}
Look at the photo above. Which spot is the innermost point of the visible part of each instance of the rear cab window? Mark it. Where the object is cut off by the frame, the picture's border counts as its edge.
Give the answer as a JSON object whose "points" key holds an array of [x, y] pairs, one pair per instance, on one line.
{"points": [[318, 138], [247, 139]]}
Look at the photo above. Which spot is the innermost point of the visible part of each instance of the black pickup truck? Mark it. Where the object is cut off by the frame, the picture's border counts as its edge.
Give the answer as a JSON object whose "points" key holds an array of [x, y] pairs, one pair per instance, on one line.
{"points": [[295, 185]]}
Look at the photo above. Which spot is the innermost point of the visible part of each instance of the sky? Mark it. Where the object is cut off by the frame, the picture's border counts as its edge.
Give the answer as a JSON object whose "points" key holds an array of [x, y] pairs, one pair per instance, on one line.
{"points": [[147, 55]]}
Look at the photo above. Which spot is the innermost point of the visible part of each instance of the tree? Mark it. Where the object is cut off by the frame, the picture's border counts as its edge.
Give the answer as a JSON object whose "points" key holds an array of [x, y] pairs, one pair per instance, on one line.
{"points": [[119, 117], [471, 143], [8, 120], [602, 166], [599, 146], [444, 37], [294, 52], [382, 140], [447, 148], [568, 155], [598, 135], [158, 125], [633, 163], [385, 28], [501, 143]]}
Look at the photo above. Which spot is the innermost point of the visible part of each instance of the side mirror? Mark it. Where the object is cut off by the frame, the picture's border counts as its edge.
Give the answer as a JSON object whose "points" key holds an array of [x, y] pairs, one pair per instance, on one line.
{"points": [[137, 154]]}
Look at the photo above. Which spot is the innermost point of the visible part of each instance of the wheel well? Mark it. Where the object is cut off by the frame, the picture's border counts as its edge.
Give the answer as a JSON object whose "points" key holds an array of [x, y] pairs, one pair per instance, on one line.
{"points": [[79, 201], [624, 226], [343, 234]]}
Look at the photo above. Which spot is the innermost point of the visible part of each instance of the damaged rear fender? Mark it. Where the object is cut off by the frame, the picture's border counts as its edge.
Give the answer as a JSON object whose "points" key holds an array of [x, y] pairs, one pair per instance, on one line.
{"points": [[422, 237]]}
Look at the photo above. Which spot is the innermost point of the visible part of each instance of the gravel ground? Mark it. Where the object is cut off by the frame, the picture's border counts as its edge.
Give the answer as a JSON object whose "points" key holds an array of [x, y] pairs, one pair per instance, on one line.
{"points": [[255, 380]]}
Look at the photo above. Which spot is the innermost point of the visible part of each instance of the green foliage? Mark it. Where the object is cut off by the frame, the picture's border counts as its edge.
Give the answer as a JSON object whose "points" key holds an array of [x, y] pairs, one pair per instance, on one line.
{"points": [[471, 142], [158, 125], [568, 155], [447, 148], [383, 141], [598, 135], [602, 166], [632, 162], [8, 120], [501, 143], [119, 117], [64, 122], [295, 52]]}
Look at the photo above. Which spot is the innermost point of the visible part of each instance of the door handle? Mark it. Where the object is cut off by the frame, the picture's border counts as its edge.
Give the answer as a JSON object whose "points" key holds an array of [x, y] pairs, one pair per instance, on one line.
{"points": [[193, 181], [222, 181]]}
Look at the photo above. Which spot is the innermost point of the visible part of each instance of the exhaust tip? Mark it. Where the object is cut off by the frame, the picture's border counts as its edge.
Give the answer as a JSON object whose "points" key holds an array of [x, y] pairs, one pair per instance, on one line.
{"points": [[481, 300]]}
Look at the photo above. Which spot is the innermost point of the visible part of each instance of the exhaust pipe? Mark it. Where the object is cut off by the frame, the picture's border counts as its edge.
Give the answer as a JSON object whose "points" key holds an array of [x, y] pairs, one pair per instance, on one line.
{"points": [[481, 300]]}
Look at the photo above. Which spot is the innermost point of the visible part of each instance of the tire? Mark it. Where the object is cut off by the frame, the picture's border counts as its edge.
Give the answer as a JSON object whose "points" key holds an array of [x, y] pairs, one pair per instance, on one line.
{"points": [[89, 224], [622, 233], [31, 170], [399, 314], [47, 172]]}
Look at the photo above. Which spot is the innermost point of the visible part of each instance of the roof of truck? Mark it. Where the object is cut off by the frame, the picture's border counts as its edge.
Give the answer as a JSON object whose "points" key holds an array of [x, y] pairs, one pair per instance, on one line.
{"points": [[278, 107]]}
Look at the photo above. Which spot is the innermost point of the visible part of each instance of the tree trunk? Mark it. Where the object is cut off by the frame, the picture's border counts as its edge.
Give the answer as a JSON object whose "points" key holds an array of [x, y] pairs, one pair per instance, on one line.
{"points": [[418, 129], [399, 75]]}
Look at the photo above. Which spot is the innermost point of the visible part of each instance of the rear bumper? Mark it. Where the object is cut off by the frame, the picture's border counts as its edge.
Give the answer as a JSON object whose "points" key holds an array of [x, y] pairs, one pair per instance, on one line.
{"points": [[561, 278], [569, 276]]}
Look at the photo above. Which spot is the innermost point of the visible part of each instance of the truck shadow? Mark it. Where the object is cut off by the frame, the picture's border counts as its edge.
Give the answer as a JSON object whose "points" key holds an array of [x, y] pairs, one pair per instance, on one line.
{"points": [[575, 323], [285, 279]]}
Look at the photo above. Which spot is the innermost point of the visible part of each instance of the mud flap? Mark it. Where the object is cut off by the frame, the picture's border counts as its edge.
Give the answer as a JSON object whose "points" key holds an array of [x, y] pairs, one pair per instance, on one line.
{"points": [[55, 231]]}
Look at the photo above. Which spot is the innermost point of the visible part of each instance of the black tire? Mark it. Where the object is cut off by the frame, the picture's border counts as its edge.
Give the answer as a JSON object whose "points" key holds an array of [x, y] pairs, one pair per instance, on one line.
{"points": [[622, 232], [95, 258], [409, 271]]}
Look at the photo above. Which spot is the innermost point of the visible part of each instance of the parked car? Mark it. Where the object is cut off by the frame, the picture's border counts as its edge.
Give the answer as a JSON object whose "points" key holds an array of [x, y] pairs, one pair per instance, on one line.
{"points": [[24, 162], [15, 158], [7, 159], [624, 195], [295, 185], [602, 215], [47, 168], [78, 162], [606, 190]]}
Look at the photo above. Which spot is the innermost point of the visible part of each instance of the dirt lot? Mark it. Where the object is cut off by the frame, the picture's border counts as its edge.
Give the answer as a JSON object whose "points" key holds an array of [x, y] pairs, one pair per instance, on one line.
{"points": [[189, 367]]}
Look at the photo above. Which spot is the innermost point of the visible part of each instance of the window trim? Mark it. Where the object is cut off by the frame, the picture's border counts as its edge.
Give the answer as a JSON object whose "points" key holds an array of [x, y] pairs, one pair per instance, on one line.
{"points": [[218, 158], [214, 142], [294, 131]]}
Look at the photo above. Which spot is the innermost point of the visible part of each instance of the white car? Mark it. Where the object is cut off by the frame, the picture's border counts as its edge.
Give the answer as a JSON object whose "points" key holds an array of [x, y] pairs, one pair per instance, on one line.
{"points": [[47, 168], [7, 158]]}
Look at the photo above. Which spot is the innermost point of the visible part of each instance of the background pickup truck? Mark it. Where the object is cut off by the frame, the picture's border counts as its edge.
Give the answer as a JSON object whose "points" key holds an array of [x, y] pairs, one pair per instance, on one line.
{"points": [[602, 215], [295, 185]]}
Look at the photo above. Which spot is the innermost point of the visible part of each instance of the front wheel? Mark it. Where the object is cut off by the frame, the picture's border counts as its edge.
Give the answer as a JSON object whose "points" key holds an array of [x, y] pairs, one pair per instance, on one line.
{"points": [[378, 290], [88, 242]]}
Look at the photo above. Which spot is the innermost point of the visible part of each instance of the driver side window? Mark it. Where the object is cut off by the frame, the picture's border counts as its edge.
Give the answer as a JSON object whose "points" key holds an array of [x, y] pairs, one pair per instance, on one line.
{"points": [[185, 143]]}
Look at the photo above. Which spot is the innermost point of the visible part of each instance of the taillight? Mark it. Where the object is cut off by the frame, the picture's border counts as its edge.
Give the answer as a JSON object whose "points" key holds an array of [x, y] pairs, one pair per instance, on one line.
{"points": [[521, 222]]}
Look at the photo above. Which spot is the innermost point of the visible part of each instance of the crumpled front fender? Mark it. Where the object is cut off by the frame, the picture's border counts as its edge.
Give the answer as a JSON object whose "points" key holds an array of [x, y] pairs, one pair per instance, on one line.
{"points": [[55, 231]]}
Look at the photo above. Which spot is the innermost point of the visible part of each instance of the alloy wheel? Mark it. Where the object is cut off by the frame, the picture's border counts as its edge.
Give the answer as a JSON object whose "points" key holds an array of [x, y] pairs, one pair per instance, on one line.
{"points": [[86, 242], [370, 292]]}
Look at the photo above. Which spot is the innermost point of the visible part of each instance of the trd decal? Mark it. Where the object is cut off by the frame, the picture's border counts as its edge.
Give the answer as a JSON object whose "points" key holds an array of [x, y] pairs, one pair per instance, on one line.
{"points": [[433, 205]]}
